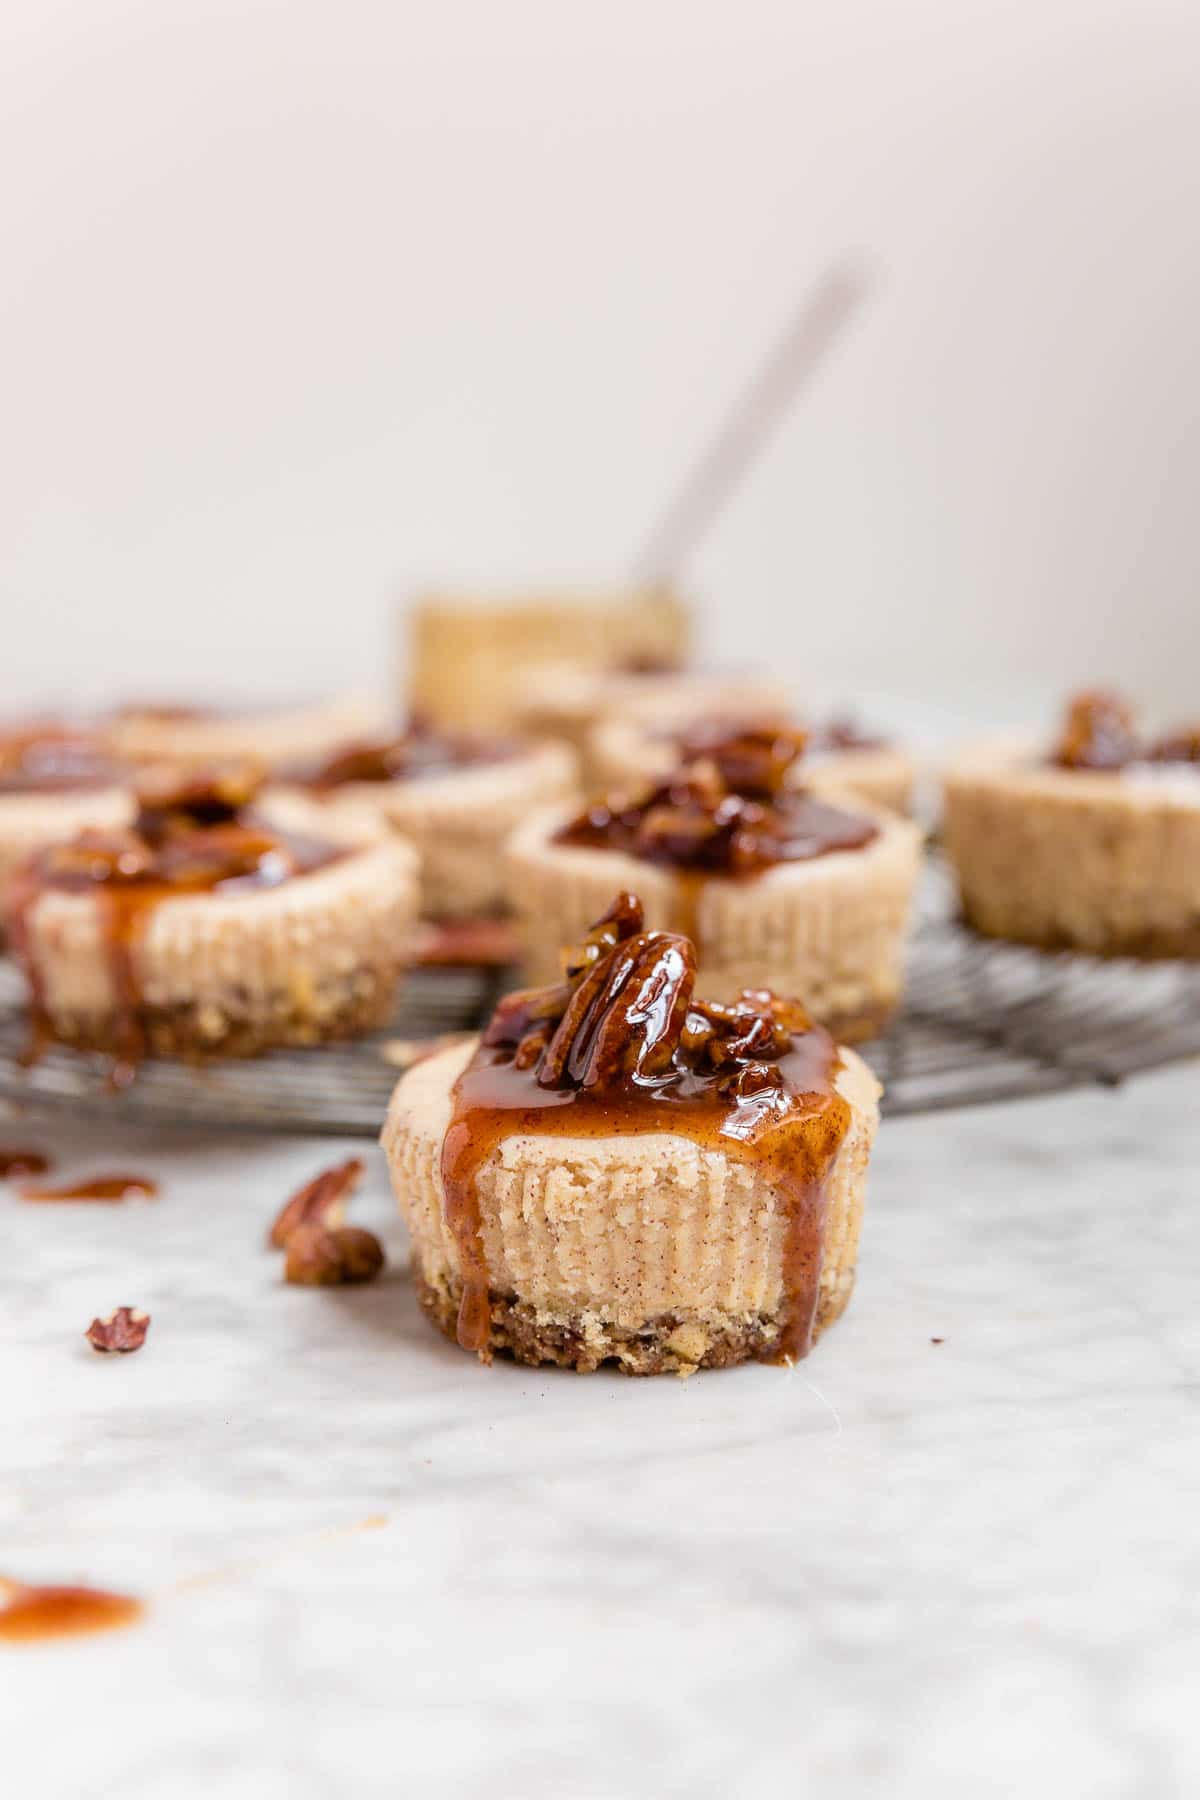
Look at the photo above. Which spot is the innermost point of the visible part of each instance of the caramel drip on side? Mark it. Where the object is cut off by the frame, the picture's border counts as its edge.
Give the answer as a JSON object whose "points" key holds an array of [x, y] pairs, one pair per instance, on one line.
{"points": [[29, 1613], [794, 1147], [125, 908], [98, 1187]]}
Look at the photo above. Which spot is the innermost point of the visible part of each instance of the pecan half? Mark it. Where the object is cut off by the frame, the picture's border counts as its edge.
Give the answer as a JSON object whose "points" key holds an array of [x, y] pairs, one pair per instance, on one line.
{"points": [[321, 1201], [318, 1256], [626, 1016], [121, 1332]]}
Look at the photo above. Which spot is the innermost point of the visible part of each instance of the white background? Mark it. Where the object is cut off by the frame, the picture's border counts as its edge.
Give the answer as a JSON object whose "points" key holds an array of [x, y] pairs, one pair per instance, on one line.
{"points": [[304, 303]]}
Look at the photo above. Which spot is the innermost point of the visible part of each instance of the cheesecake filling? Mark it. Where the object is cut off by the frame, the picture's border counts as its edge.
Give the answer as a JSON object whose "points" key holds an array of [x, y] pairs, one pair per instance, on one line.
{"points": [[621, 1046], [194, 834]]}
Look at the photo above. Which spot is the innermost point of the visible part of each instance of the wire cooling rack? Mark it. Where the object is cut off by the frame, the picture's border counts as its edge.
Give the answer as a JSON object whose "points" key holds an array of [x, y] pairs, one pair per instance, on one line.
{"points": [[980, 1022]]}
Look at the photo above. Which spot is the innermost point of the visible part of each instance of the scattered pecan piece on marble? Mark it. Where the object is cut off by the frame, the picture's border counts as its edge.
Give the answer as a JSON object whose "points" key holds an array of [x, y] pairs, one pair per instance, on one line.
{"points": [[122, 1331], [318, 1256], [321, 1201]]}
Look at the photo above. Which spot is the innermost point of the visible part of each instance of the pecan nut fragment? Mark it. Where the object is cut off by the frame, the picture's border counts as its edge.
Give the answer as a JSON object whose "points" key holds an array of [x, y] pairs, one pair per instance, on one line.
{"points": [[626, 1016], [1099, 733], [122, 1332], [174, 801], [750, 758], [318, 1256], [321, 1201]]}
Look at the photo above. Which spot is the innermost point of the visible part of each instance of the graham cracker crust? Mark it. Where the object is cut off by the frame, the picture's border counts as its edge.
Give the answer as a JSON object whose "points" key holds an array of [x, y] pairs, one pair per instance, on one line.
{"points": [[194, 1033], [1181, 943], [663, 1346]]}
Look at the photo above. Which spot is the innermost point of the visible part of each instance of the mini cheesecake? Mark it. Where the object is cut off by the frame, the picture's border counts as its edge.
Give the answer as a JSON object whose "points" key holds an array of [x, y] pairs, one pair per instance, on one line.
{"points": [[55, 780], [470, 660], [581, 706], [1090, 843], [455, 796], [202, 928], [626, 752], [778, 886], [198, 737], [620, 1171]]}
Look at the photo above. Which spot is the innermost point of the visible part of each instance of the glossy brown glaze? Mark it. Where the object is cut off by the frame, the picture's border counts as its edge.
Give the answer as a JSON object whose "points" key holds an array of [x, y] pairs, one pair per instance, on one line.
{"points": [[22, 1162], [413, 755], [623, 1047], [29, 1613], [695, 823], [103, 1188], [50, 758], [195, 834]]}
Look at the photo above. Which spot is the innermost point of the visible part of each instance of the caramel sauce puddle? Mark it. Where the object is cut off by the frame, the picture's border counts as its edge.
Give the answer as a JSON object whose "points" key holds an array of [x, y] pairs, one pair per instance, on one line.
{"points": [[110, 1188], [31, 1613]]}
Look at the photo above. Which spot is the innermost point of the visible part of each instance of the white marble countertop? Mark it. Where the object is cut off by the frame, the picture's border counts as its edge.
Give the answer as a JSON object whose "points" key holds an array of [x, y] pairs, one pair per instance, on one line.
{"points": [[905, 1568]]}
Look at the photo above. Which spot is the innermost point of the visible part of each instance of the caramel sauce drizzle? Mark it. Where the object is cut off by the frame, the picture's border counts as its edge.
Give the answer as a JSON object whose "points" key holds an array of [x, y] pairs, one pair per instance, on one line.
{"points": [[621, 1063], [192, 835], [410, 756], [110, 1188], [29, 1613]]}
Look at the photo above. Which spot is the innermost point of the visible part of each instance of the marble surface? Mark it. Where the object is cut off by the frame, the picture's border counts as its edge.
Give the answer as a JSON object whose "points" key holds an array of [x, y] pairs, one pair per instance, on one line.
{"points": [[905, 1568]]}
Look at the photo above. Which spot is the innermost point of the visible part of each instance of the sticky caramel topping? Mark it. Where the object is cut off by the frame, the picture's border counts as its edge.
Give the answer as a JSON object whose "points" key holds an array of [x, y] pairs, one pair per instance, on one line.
{"points": [[727, 813], [193, 834], [623, 1045], [51, 758], [1100, 734], [747, 748], [413, 755]]}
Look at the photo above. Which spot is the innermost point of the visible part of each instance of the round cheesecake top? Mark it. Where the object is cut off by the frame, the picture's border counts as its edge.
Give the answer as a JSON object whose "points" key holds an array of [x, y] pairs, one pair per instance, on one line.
{"points": [[190, 835], [727, 811]]}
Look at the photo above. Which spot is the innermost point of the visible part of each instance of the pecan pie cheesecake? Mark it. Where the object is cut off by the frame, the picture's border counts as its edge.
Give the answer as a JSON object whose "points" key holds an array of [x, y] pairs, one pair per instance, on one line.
{"points": [[625, 752], [455, 796], [202, 927], [1091, 843], [778, 886], [201, 736], [572, 705], [619, 1170], [55, 779], [470, 659]]}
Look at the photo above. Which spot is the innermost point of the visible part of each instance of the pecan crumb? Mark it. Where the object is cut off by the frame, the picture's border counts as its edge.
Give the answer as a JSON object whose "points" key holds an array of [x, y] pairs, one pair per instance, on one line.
{"points": [[318, 1256], [122, 1331], [321, 1201]]}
